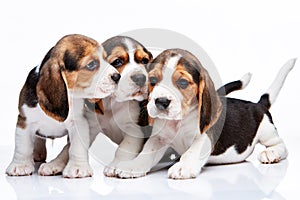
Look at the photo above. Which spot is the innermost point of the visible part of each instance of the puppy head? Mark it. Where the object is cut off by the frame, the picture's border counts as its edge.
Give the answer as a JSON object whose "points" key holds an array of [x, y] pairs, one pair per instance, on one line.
{"points": [[178, 84], [130, 58], [73, 68]]}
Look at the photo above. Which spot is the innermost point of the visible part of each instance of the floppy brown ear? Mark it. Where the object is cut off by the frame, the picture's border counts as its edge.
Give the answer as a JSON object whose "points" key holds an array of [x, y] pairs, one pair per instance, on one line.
{"points": [[52, 91], [209, 104]]}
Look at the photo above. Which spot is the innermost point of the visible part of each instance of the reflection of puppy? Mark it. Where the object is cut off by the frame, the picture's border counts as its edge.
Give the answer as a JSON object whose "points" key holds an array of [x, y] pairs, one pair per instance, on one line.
{"points": [[51, 102], [262, 179], [190, 117]]}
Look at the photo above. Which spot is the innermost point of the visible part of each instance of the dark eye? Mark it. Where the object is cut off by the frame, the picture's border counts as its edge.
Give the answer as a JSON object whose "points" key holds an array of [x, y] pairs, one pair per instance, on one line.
{"points": [[153, 81], [182, 83], [92, 65], [117, 63], [145, 61]]}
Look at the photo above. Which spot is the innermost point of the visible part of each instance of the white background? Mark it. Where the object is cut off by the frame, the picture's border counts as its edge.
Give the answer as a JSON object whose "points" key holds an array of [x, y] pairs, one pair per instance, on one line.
{"points": [[239, 36]]}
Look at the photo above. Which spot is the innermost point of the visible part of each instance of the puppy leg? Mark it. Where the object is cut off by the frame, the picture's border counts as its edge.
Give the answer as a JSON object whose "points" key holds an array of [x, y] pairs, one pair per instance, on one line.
{"points": [[152, 152], [193, 159], [39, 151], [22, 163], [276, 149], [78, 164], [56, 165], [127, 150]]}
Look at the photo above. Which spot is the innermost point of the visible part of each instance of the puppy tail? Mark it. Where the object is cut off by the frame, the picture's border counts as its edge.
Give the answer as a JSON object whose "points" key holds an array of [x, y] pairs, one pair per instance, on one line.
{"points": [[269, 97], [235, 85]]}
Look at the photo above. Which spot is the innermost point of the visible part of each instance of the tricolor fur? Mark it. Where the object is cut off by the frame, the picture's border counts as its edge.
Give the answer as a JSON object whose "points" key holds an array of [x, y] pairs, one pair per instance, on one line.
{"points": [[51, 104], [203, 127], [122, 115]]}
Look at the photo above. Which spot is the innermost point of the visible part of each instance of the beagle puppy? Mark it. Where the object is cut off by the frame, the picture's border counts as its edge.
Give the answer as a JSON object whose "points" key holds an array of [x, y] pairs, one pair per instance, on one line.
{"points": [[121, 116], [51, 103], [202, 126]]}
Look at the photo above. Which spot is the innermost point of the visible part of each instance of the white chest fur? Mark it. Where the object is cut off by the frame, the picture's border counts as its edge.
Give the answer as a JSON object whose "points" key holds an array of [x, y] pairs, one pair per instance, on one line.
{"points": [[38, 121], [119, 118], [179, 134]]}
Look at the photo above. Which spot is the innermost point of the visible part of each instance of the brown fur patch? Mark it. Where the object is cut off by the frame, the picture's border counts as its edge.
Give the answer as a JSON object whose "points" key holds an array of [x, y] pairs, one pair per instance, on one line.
{"points": [[39, 151], [52, 91], [190, 93], [118, 53], [157, 73], [98, 105], [82, 78], [210, 106], [21, 123], [140, 54]]}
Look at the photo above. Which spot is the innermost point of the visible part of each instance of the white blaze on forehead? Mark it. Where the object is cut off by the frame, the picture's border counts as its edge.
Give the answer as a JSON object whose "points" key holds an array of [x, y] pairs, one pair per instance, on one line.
{"points": [[167, 73], [166, 89], [131, 49], [126, 86]]}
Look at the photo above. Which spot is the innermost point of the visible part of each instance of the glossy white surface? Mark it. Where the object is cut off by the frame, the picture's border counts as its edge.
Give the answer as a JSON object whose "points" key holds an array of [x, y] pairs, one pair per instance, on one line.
{"points": [[248, 180], [239, 36]]}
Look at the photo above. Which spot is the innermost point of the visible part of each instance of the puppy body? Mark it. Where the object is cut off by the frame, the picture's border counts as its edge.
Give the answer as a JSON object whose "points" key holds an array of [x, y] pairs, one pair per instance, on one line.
{"points": [[51, 105], [247, 123], [226, 135]]}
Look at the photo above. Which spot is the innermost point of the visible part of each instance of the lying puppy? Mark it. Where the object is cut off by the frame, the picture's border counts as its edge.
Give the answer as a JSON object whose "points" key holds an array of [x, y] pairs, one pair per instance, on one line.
{"points": [[52, 100], [119, 116], [203, 127]]}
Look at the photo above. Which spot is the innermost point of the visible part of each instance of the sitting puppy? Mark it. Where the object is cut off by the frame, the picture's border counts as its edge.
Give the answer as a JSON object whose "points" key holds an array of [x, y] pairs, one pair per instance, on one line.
{"points": [[120, 116], [51, 103], [203, 127]]}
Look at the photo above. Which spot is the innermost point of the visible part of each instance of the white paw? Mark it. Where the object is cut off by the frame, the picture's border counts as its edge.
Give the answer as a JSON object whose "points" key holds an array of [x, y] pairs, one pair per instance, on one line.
{"points": [[184, 170], [20, 169], [77, 170], [110, 171], [269, 156], [130, 170], [52, 168]]}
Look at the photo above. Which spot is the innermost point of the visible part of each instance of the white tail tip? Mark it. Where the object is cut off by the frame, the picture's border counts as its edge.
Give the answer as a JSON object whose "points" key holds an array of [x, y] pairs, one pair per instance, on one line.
{"points": [[245, 80], [276, 86], [290, 64]]}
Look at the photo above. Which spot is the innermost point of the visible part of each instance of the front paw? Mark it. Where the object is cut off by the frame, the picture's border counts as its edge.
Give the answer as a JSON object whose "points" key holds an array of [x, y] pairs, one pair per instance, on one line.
{"points": [[52, 168], [77, 170], [24, 168], [130, 170], [184, 170], [109, 171]]}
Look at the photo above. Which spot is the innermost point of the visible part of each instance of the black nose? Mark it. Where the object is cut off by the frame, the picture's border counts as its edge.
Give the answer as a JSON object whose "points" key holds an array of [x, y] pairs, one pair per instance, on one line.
{"points": [[139, 79], [162, 103], [116, 77]]}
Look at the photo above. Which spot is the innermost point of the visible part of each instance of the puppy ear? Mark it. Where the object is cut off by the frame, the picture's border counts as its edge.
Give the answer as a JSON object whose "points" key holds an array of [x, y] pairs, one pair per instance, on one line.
{"points": [[209, 104], [52, 91], [96, 105]]}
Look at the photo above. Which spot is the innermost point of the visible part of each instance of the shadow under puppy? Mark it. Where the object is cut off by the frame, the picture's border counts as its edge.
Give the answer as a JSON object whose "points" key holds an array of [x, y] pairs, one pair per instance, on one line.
{"points": [[202, 126], [51, 104]]}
